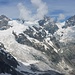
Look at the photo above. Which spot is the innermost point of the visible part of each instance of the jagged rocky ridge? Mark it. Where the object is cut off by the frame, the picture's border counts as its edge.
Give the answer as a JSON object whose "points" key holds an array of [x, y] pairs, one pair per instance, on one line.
{"points": [[4, 22], [70, 22], [39, 43], [48, 25], [7, 62]]}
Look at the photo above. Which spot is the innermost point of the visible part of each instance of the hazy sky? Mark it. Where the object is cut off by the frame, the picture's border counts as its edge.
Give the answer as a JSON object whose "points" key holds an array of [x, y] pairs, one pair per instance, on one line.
{"points": [[62, 8]]}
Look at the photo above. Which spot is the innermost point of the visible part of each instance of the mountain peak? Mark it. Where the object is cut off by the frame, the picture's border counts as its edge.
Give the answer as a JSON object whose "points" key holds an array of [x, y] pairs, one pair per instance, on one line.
{"points": [[70, 22], [4, 22], [3, 17]]}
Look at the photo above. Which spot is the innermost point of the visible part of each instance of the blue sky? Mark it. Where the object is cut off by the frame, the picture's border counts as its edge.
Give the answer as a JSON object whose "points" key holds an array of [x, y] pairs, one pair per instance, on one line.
{"points": [[55, 7]]}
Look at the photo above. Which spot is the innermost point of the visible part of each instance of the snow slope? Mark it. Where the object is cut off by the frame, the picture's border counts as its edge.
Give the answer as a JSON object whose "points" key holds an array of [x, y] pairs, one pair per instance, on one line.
{"points": [[65, 34], [28, 55], [23, 53]]}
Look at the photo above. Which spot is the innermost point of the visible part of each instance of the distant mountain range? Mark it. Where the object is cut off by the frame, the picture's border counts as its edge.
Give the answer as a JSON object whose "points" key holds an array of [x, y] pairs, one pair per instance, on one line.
{"points": [[43, 47]]}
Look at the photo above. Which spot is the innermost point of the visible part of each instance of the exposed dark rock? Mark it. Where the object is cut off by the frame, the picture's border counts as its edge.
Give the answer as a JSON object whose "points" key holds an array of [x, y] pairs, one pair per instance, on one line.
{"points": [[8, 63], [50, 72], [51, 27], [70, 22], [39, 35], [22, 39], [4, 22]]}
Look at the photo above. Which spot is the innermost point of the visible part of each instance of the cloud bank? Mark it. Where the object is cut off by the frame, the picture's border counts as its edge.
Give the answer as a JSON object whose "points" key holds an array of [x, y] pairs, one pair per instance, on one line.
{"points": [[61, 17], [24, 12], [41, 10]]}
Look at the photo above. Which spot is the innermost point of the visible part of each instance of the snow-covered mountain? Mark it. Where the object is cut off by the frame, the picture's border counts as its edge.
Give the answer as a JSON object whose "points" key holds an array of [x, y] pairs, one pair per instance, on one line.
{"points": [[4, 22], [36, 48]]}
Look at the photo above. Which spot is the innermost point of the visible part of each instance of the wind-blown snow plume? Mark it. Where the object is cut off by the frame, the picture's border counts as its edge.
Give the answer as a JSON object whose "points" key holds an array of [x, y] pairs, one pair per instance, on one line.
{"points": [[24, 12], [41, 10], [61, 17]]}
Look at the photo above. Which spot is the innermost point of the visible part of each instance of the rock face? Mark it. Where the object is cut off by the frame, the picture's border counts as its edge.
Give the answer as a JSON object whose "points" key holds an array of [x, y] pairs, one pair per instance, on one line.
{"points": [[4, 22], [70, 22], [8, 63], [48, 25]]}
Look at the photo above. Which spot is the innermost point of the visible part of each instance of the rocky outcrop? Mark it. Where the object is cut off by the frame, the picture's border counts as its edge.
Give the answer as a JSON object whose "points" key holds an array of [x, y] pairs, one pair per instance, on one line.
{"points": [[4, 22], [70, 22], [8, 63], [48, 25]]}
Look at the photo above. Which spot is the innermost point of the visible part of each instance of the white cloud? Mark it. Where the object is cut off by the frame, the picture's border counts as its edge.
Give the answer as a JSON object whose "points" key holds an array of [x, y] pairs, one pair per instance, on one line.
{"points": [[61, 17], [41, 10], [52, 19], [24, 12]]}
